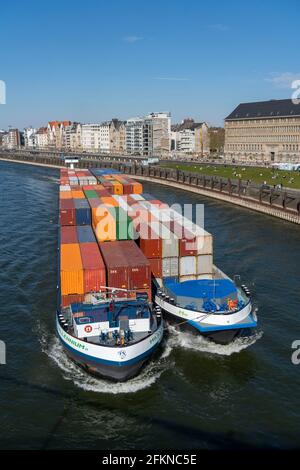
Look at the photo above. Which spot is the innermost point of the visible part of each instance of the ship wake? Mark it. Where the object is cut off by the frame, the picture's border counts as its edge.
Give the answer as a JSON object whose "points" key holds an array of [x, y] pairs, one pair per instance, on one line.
{"points": [[181, 339], [147, 377]]}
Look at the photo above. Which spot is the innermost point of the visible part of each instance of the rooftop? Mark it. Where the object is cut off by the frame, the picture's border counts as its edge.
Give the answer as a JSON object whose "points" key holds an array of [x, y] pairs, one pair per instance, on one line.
{"points": [[265, 109]]}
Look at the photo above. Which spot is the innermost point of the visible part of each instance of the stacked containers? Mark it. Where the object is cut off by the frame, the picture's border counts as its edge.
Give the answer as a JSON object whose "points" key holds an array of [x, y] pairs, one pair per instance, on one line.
{"points": [[127, 268], [82, 212], [68, 234], [71, 270], [67, 212], [85, 234], [94, 276]]}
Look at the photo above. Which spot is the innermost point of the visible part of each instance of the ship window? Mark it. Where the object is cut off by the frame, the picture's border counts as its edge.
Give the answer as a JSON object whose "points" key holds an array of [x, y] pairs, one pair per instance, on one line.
{"points": [[84, 320]]}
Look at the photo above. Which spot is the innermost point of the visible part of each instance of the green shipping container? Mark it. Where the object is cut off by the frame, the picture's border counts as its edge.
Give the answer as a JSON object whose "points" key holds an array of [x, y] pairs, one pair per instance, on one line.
{"points": [[91, 194], [124, 226]]}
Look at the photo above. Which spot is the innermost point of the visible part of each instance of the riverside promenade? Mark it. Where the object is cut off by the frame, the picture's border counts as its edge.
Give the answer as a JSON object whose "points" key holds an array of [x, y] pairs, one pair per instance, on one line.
{"points": [[281, 203]]}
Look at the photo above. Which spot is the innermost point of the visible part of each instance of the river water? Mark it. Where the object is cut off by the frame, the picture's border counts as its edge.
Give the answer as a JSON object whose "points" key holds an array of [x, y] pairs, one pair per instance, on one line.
{"points": [[196, 394]]}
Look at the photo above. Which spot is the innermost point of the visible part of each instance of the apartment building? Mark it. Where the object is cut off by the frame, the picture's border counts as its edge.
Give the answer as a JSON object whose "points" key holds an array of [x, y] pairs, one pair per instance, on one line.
{"points": [[41, 137], [56, 133], [30, 137], [149, 135], [117, 136], [263, 132], [73, 136], [134, 136], [191, 137], [11, 139]]}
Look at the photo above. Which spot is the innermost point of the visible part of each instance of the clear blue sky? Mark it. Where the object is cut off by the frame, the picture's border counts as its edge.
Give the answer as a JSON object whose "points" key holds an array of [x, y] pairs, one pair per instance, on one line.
{"points": [[94, 60]]}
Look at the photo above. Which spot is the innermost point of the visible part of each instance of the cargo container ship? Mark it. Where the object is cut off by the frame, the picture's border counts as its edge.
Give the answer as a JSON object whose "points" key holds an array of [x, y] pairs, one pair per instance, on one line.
{"points": [[126, 258], [106, 320]]}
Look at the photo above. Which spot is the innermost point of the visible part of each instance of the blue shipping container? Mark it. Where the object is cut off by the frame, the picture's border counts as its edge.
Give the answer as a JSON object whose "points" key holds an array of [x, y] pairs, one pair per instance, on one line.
{"points": [[85, 234], [83, 212]]}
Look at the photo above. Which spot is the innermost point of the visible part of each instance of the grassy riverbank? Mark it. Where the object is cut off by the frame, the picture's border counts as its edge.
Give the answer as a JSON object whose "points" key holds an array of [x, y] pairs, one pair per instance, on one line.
{"points": [[258, 175]]}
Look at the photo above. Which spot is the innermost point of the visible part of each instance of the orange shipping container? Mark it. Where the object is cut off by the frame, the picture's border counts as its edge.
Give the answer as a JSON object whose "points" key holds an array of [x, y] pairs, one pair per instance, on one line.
{"points": [[78, 195], [118, 187], [71, 270], [105, 227], [137, 187], [65, 195], [109, 201]]}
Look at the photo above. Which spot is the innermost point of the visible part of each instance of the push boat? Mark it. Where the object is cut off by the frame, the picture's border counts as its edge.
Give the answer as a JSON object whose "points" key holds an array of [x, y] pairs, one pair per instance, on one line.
{"points": [[218, 308]]}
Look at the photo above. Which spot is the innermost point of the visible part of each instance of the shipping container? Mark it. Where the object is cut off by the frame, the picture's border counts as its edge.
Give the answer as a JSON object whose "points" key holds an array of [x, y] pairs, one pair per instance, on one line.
{"points": [[109, 201], [137, 188], [126, 265], [156, 267], [149, 243], [204, 264], [204, 276], [137, 197], [139, 266], [65, 195], [104, 224], [82, 212], [187, 265], [94, 274], [190, 277], [67, 212], [124, 225], [116, 265], [67, 300], [78, 195], [85, 234], [118, 187], [68, 234], [90, 194], [170, 267], [71, 271]]}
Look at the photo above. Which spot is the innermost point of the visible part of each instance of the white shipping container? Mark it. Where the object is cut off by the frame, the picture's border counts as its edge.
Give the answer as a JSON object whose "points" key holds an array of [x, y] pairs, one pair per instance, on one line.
{"points": [[192, 277], [169, 267], [204, 276], [205, 244], [204, 264], [137, 197], [187, 265], [65, 187], [170, 243]]}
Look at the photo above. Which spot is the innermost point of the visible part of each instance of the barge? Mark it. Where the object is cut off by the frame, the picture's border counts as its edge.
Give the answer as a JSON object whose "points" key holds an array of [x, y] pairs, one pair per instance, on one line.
{"points": [[127, 261]]}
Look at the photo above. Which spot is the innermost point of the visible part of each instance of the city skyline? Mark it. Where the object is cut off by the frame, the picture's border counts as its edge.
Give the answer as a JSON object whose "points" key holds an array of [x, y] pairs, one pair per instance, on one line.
{"points": [[99, 61]]}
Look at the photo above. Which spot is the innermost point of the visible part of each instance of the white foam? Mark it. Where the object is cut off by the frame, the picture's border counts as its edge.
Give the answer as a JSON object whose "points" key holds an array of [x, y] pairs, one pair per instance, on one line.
{"points": [[179, 338], [149, 375]]}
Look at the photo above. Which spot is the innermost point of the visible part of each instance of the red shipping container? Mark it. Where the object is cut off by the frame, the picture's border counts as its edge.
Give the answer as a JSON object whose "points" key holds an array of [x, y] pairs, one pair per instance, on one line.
{"points": [[94, 275], [68, 234], [67, 300], [67, 212], [156, 267], [151, 246], [187, 240], [109, 187], [116, 263]]}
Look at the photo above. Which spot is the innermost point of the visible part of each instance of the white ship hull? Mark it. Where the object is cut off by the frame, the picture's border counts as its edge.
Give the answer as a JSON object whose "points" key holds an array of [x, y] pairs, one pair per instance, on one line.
{"points": [[221, 328], [114, 362]]}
